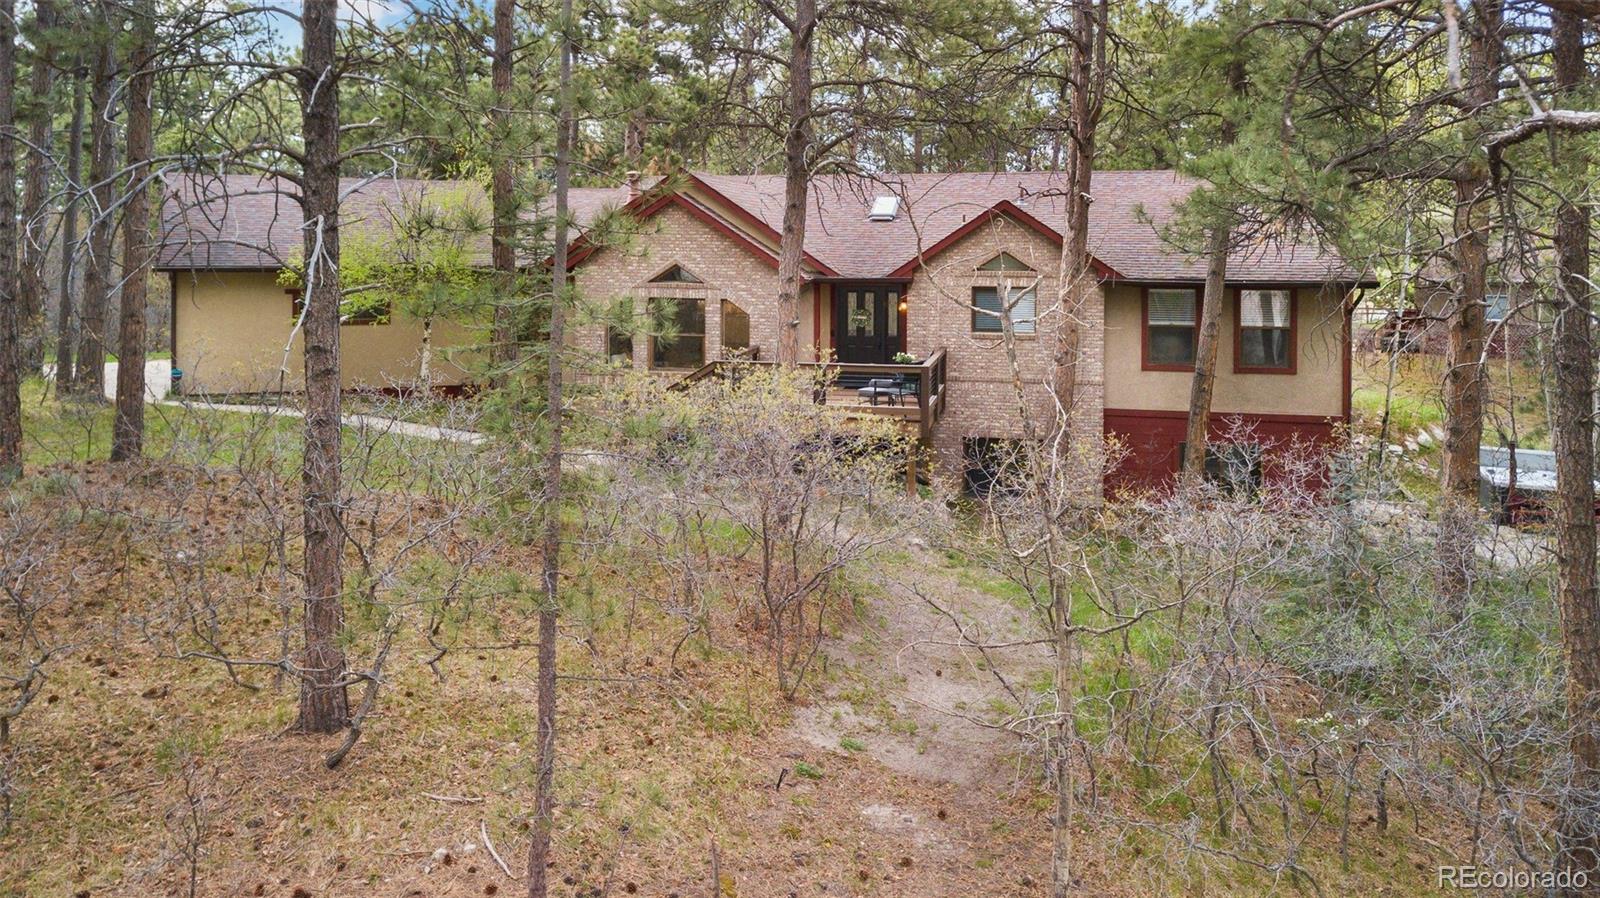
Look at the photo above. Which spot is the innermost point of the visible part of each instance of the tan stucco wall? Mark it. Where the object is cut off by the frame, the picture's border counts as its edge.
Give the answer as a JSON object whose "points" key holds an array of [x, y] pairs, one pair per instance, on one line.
{"points": [[232, 327], [1317, 387], [728, 270]]}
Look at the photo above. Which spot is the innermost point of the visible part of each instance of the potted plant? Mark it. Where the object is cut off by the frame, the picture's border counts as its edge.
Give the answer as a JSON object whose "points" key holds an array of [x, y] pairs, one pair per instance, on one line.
{"points": [[904, 358]]}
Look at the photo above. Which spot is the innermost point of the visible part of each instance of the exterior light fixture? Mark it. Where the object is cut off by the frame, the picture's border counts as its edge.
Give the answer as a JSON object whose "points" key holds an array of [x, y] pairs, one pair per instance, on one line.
{"points": [[903, 305]]}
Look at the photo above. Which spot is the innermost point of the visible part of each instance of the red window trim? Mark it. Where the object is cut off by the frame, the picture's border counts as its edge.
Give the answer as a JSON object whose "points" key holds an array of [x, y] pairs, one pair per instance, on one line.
{"points": [[1144, 325], [1294, 333]]}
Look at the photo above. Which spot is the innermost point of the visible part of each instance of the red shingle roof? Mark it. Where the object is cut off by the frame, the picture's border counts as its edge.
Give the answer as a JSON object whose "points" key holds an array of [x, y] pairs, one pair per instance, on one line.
{"points": [[1129, 211], [252, 222], [245, 222]]}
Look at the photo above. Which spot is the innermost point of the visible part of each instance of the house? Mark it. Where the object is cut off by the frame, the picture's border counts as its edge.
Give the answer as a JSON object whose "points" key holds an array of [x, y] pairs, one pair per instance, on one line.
{"points": [[915, 264], [225, 240], [1510, 317], [919, 264]]}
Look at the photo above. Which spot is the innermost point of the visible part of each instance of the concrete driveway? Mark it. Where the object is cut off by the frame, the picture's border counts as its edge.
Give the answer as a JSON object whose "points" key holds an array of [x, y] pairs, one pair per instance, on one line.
{"points": [[157, 378]]}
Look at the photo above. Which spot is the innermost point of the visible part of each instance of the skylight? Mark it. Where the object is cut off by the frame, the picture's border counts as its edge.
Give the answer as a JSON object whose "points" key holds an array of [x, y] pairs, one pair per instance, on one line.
{"points": [[884, 208]]}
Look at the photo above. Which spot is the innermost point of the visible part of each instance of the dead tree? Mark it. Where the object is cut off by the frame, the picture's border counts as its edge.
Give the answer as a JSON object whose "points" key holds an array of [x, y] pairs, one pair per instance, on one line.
{"points": [[89, 372], [324, 702], [10, 307], [127, 434], [36, 186], [66, 310]]}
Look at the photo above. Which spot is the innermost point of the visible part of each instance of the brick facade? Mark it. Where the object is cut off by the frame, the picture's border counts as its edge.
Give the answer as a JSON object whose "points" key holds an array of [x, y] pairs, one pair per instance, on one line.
{"points": [[982, 400], [727, 270]]}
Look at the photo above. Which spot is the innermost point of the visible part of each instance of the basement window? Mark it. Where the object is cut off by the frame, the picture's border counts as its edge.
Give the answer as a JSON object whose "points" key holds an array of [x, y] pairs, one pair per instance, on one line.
{"points": [[991, 464], [1235, 467]]}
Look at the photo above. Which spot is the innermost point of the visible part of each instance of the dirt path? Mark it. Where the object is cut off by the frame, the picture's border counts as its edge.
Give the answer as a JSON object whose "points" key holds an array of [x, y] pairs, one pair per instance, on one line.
{"points": [[919, 699]]}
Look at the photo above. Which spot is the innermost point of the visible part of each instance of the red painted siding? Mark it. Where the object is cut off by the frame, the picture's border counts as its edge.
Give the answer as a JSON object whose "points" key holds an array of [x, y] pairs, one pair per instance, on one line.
{"points": [[1150, 441]]}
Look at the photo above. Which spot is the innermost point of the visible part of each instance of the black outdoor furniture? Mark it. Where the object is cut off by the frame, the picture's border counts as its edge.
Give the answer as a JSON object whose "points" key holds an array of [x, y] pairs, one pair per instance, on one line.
{"points": [[892, 390]]}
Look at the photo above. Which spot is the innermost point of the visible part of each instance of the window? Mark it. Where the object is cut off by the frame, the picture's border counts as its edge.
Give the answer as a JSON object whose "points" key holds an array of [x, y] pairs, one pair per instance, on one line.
{"points": [[986, 310], [735, 328], [619, 334], [680, 339], [991, 466], [1264, 340], [1235, 467], [675, 275], [619, 346], [1499, 307], [1169, 329], [1004, 262]]}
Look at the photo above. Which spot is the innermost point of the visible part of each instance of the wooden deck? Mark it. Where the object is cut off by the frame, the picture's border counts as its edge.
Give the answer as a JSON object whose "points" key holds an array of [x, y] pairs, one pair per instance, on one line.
{"points": [[921, 406]]}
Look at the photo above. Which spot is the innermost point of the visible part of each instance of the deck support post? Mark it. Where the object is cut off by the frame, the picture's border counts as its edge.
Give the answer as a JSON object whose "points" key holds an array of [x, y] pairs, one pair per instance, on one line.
{"points": [[911, 472]]}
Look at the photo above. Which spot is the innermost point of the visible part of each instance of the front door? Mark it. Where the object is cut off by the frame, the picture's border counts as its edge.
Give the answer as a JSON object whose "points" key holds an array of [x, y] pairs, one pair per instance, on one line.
{"points": [[866, 323]]}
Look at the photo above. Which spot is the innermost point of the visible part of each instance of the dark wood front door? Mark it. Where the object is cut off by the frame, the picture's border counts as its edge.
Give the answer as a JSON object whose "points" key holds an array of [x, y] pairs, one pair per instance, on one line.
{"points": [[866, 320]]}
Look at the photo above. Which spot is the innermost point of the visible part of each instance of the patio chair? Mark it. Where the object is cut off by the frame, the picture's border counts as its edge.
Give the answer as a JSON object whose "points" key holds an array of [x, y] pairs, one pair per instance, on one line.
{"points": [[892, 390]]}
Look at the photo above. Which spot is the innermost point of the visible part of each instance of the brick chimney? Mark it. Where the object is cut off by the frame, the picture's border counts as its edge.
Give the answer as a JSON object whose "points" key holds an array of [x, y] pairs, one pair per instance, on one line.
{"points": [[632, 180]]}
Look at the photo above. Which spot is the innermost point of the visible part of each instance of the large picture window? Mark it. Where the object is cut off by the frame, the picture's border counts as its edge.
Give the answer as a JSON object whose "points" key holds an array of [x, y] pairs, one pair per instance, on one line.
{"points": [[1265, 334], [986, 310], [1169, 333], [679, 340]]}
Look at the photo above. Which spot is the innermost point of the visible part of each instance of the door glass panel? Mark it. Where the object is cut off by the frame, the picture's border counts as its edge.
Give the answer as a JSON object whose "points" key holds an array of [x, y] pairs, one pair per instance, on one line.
{"points": [[894, 313], [862, 322]]}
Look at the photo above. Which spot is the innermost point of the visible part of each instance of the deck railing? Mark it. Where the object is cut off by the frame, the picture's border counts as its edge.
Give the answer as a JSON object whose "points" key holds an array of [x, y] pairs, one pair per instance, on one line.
{"points": [[927, 381]]}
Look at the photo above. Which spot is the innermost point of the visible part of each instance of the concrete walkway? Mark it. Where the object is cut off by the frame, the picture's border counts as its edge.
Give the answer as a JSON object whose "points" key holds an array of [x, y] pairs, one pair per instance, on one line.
{"points": [[369, 422], [157, 378], [158, 385]]}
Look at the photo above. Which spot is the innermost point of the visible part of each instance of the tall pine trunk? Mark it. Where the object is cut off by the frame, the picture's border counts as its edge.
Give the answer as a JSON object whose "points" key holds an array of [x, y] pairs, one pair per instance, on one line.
{"points": [[1203, 386], [549, 621], [10, 311], [503, 187], [324, 703], [67, 308], [1086, 62], [36, 188], [1075, 280], [1464, 381], [1573, 348], [796, 180], [89, 374], [127, 431]]}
